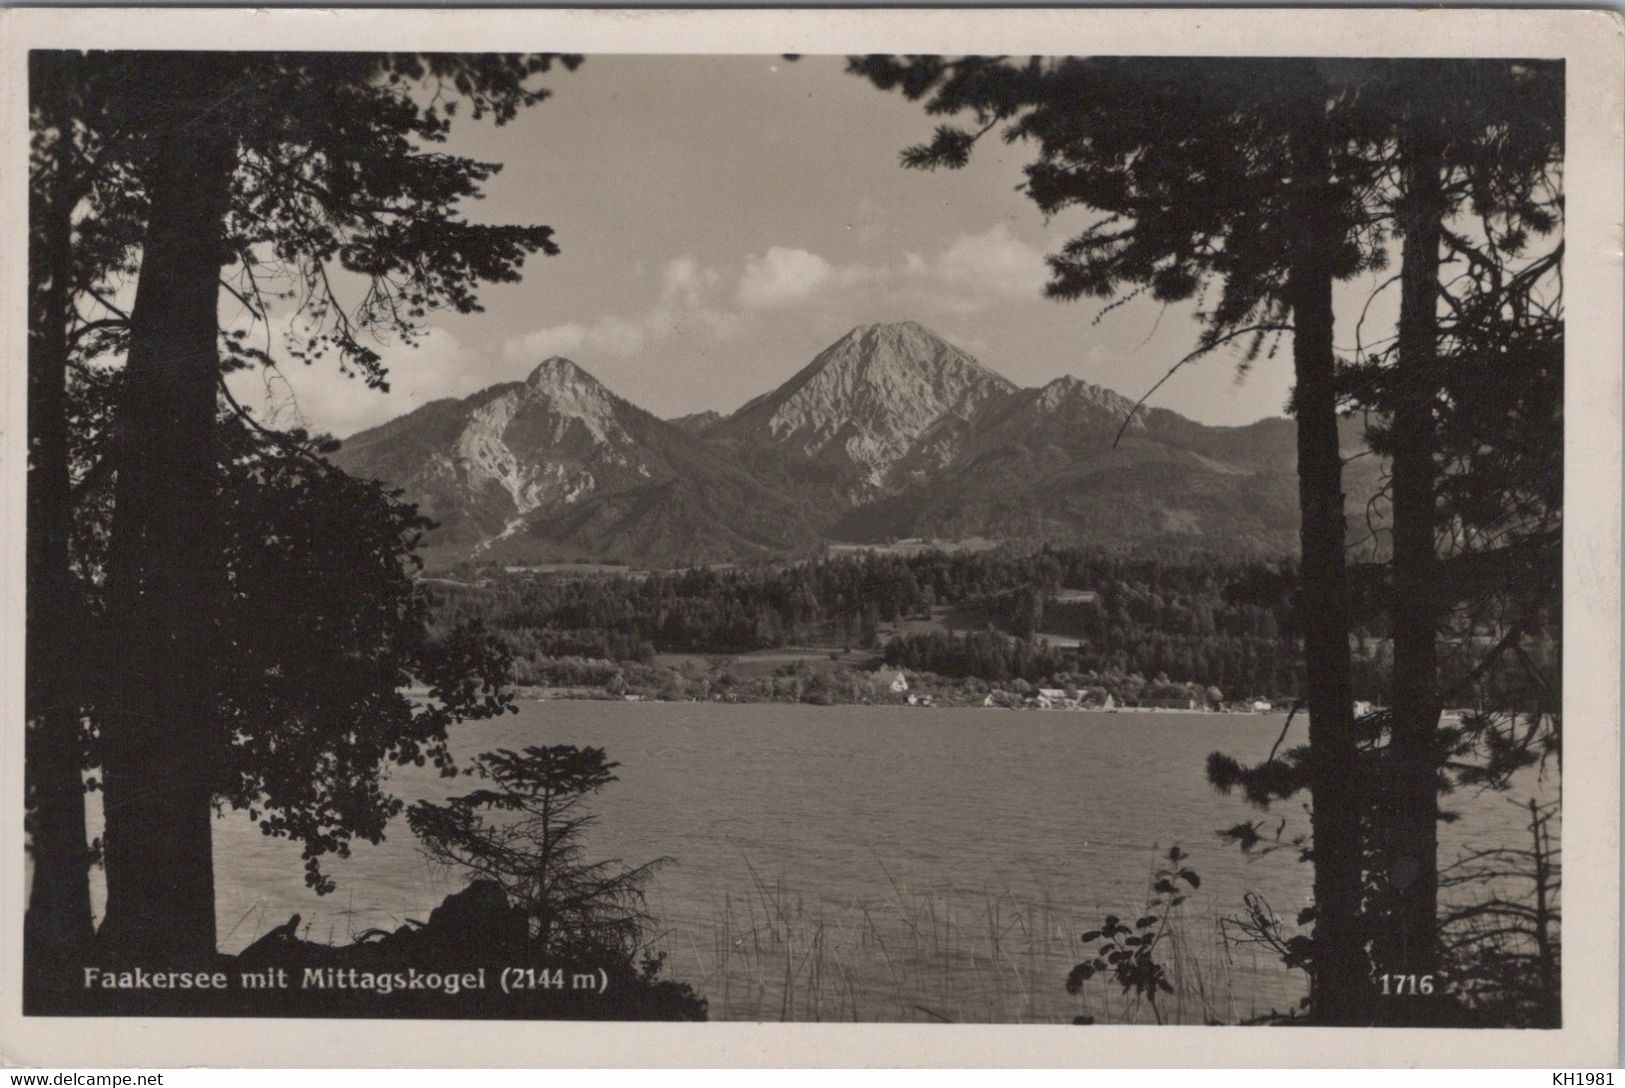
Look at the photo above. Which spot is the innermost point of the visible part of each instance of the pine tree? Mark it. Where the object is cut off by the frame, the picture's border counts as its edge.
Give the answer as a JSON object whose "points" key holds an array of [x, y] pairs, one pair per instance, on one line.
{"points": [[242, 167], [1247, 176], [66, 97], [526, 831], [1473, 147]]}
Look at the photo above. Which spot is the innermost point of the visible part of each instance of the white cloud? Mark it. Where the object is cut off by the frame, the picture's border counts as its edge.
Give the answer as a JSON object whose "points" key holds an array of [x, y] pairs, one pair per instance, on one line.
{"points": [[685, 304], [684, 282], [965, 277], [785, 276], [993, 260], [682, 307], [538, 344], [610, 335], [782, 277], [320, 397]]}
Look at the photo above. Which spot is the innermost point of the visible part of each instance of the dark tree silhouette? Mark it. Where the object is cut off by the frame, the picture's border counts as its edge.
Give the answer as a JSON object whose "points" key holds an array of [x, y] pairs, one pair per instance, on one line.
{"points": [[1248, 174], [328, 631], [1463, 403], [526, 833], [58, 921], [161, 748], [315, 169], [1473, 153]]}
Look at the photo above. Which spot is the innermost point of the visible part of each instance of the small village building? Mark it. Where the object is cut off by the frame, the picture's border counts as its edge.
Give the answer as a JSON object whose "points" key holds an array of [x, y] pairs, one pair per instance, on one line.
{"points": [[1055, 698]]}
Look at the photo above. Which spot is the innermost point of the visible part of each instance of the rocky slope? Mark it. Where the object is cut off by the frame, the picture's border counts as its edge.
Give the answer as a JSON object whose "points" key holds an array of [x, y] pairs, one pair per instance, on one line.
{"points": [[881, 402], [557, 466]]}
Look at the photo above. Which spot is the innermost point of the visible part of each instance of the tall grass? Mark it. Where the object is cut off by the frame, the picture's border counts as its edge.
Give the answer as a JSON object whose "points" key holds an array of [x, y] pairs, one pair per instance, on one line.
{"points": [[947, 955]]}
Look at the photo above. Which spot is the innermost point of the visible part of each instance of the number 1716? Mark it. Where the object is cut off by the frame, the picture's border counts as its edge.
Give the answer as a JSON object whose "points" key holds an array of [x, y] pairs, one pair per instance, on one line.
{"points": [[1405, 985]]}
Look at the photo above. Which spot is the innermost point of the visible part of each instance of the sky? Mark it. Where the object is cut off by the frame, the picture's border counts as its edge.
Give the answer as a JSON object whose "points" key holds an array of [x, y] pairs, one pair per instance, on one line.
{"points": [[724, 219]]}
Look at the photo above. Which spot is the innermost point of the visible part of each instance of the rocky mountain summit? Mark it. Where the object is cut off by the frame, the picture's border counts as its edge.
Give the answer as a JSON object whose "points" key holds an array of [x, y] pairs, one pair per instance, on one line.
{"points": [[868, 403]]}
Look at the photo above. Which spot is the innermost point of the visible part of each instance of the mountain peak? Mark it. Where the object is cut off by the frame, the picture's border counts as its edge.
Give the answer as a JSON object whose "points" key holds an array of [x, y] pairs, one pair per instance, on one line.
{"points": [[877, 352], [892, 328], [1070, 388], [566, 388], [556, 369], [908, 337], [864, 401]]}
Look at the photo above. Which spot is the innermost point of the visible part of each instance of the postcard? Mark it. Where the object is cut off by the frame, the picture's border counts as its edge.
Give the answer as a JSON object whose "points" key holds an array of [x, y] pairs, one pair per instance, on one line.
{"points": [[668, 537]]}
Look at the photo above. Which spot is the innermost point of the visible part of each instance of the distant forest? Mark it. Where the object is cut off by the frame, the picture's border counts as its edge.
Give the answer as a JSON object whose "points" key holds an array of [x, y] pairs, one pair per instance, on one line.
{"points": [[1212, 620]]}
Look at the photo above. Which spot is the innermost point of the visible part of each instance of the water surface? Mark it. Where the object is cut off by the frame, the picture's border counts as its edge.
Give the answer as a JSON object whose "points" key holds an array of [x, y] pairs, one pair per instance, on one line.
{"points": [[876, 862]]}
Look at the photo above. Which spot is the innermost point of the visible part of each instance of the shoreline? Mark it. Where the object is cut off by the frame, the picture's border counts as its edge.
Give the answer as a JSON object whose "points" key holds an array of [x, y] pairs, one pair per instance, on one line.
{"points": [[546, 695]]}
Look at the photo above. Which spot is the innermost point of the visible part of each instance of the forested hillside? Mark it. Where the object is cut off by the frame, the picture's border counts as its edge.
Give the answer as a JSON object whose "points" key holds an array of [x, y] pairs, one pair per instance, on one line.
{"points": [[1205, 619]]}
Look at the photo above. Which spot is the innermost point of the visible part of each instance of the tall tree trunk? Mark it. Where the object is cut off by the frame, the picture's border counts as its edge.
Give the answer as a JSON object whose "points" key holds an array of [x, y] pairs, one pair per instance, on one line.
{"points": [[1341, 984], [57, 927], [1342, 975], [162, 748], [1412, 884]]}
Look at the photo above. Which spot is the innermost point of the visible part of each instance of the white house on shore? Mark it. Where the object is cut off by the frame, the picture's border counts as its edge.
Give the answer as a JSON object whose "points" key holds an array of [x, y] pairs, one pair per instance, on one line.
{"points": [[1053, 697], [1072, 699]]}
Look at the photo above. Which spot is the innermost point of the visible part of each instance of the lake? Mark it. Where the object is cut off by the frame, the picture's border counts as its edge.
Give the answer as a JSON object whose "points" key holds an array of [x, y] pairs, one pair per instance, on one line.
{"points": [[879, 863]]}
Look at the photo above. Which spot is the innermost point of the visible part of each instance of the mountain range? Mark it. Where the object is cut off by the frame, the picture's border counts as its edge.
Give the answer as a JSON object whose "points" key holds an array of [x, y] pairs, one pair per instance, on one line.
{"points": [[891, 432]]}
